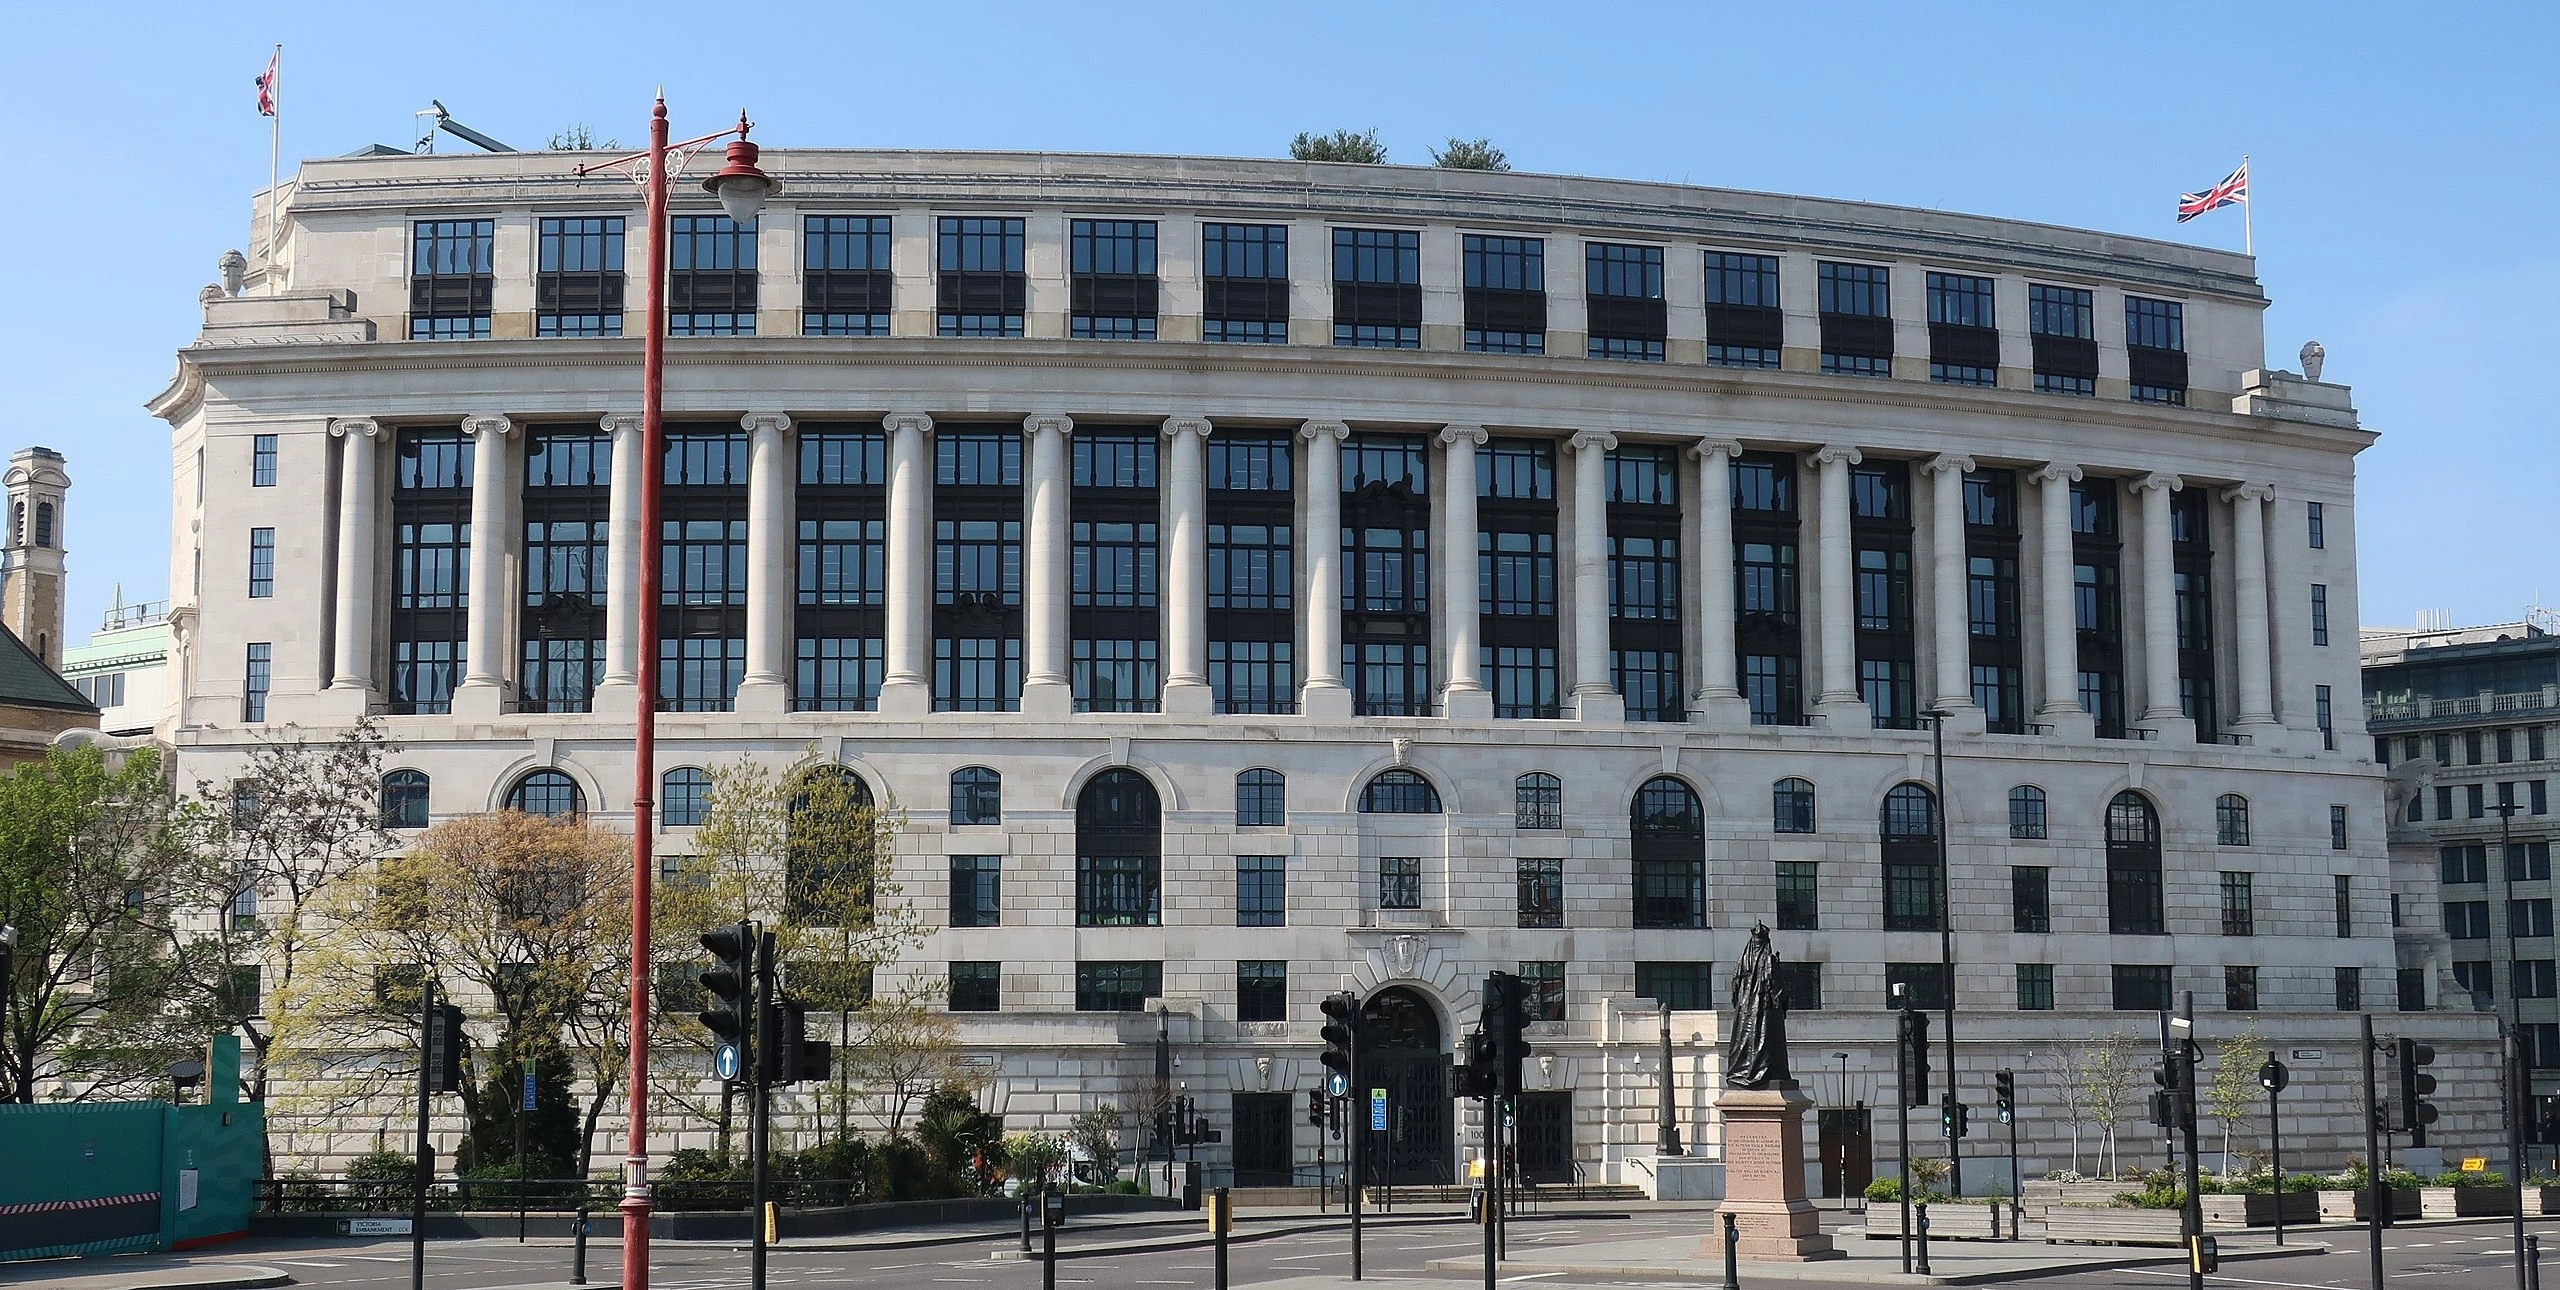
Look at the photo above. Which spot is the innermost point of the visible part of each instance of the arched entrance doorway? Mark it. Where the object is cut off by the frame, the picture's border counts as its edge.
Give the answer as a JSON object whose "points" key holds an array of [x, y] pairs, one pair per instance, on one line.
{"points": [[1403, 1053]]}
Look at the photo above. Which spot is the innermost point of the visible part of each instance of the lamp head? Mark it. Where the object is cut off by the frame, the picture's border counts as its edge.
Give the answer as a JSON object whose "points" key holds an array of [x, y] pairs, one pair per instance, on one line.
{"points": [[8, 936], [741, 188]]}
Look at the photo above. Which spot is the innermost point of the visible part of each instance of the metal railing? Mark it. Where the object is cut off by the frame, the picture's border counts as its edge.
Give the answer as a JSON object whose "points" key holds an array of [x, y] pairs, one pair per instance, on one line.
{"points": [[2520, 703], [540, 1195]]}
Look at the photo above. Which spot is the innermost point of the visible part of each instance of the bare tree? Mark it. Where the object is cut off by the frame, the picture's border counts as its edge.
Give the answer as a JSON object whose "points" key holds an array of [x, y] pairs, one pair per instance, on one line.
{"points": [[2106, 1071], [904, 1048], [2234, 1089]]}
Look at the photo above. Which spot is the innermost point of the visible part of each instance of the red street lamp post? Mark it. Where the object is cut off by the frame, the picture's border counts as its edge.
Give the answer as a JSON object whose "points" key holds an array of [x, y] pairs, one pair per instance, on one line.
{"points": [[742, 190]]}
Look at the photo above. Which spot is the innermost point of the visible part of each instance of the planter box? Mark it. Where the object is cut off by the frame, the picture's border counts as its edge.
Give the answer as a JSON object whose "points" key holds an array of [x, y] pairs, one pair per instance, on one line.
{"points": [[2039, 1195], [2349, 1206], [1946, 1222], [2300, 1207], [2465, 1202], [2545, 1200], [2112, 1226]]}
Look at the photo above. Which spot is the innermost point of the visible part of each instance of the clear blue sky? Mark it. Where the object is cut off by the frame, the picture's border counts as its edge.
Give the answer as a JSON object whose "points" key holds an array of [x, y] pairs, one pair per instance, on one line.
{"points": [[2404, 164]]}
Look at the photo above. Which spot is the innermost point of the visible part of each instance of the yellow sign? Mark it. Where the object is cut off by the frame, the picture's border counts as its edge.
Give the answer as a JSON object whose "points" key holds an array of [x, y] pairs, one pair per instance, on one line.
{"points": [[771, 1212], [1222, 1212], [2474, 1164]]}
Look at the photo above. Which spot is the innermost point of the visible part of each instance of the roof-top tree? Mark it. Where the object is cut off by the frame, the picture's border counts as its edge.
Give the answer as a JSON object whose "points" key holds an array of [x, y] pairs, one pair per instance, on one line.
{"points": [[1341, 145], [1470, 154]]}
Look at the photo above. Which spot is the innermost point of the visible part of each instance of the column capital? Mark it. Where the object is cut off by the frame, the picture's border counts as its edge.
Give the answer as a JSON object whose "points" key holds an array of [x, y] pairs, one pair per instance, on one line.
{"points": [[896, 422], [1048, 422], [2249, 493], [359, 427], [2159, 480], [1947, 462], [619, 423], [1705, 448], [1590, 440], [1831, 452], [1176, 427], [765, 423], [491, 425], [1453, 435], [2052, 471], [1333, 430]]}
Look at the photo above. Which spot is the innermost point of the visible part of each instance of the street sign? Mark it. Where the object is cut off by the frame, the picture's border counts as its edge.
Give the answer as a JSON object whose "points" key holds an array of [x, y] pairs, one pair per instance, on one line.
{"points": [[1377, 1110], [373, 1226], [528, 1089], [1336, 1083], [2310, 1056], [724, 1061], [2005, 1115], [2474, 1164]]}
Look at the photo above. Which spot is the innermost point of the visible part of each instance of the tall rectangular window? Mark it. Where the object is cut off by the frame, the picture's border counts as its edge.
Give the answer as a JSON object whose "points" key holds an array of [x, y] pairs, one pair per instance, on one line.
{"points": [[1113, 576], [2319, 613], [2155, 338], [1506, 294], [977, 569], [1887, 640], [256, 680], [2030, 898], [2324, 715], [977, 987], [1799, 895], [1995, 633], [1768, 627], [1964, 330], [1111, 267], [450, 278], [2061, 328], [702, 590], [2035, 987], [1119, 891], [262, 461], [1244, 280], [1745, 321], [1252, 609], [1399, 882], [2240, 989], [1857, 319], [2097, 556], [1516, 575], [2191, 581], [846, 284], [1544, 984], [839, 623], [577, 285], [979, 283], [568, 481], [1622, 291], [1644, 582], [1681, 987], [2318, 521], [1262, 990], [1377, 288], [711, 278], [430, 567], [1262, 891], [2239, 906], [977, 891], [2350, 988], [262, 563], [1386, 591], [1541, 884]]}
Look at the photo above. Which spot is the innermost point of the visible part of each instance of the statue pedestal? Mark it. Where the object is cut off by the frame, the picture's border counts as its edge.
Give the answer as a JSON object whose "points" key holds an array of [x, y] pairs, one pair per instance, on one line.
{"points": [[1764, 1178]]}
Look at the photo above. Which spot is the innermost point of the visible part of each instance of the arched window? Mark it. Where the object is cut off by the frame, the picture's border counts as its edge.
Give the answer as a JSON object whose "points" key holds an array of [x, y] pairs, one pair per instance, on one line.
{"points": [[684, 797], [44, 524], [404, 800], [1915, 894], [2026, 812], [547, 792], [977, 796], [1669, 845], [830, 837], [1119, 852], [1262, 799], [1791, 806], [1538, 801], [2231, 820], [1399, 792], [2133, 867]]}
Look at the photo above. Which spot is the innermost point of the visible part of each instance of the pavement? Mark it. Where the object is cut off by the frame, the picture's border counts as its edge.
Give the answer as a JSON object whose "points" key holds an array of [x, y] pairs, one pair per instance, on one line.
{"points": [[1866, 1262], [139, 1272]]}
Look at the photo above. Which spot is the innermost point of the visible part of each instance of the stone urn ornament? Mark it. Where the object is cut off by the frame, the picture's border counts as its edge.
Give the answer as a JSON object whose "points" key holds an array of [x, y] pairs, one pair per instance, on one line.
{"points": [[2313, 356]]}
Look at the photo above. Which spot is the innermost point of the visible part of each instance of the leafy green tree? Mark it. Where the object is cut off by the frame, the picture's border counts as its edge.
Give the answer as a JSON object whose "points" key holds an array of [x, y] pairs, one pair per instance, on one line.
{"points": [[1470, 154], [95, 875], [2234, 1092], [1096, 1132], [1341, 145]]}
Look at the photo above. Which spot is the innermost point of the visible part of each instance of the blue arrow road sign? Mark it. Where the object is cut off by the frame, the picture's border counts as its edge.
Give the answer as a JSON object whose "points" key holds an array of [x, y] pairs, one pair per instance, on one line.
{"points": [[724, 1061], [1337, 1084]]}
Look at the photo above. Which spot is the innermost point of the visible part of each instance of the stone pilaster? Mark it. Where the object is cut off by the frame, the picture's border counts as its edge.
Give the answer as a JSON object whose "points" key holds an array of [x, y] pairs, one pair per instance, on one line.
{"points": [[485, 689], [906, 686], [1186, 566], [772, 581], [1464, 695]]}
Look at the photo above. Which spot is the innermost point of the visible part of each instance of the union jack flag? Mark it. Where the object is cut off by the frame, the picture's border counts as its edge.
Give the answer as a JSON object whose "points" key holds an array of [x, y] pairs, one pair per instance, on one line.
{"points": [[2232, 191], [267, 84]]}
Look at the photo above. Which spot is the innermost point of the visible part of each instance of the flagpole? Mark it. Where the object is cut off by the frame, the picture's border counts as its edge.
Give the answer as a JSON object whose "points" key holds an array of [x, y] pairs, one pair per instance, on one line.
{"points": [[2248, 211], [275, 138]]}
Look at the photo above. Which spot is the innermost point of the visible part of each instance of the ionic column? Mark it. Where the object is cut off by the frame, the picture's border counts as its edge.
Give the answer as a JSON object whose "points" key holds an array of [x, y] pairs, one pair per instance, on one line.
{"points": [[2249, 594], [1838, 702], [1719, 701], [1951, 611], [484, 689], [2061, 643], [772, 582], [1594, 699], [624, 601], [358, 485], [1045, 688], [1323, 694], [2161, 711], [906, 687], [1186, 566], [1464, 695]]}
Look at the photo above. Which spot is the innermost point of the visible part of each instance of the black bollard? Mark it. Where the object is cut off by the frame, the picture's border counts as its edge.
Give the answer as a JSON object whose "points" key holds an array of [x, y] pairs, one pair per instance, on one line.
{"points": [[1732, 1256], [1225, 1216], [1028, 1199], [1048, 1245], [1920, 1221], [578, 1259], [2533, 1262]]}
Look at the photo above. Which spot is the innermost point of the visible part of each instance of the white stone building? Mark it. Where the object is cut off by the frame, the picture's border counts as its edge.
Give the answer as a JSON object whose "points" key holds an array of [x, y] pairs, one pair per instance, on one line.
{"points": [[1012, 482]]}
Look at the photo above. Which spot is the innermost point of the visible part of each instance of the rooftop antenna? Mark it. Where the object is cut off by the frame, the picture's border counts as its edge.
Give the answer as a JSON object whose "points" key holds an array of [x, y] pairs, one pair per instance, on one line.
{"points": [[433, 117]]}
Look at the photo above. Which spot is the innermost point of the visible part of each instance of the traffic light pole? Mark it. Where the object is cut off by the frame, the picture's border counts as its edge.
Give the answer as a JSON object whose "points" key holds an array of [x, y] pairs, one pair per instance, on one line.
{"points": [[2378, 1197], [2186, 1057], [426, 1162], [755, 1076], [2271, 1075], [2519, 1094], [2017, 1188]]}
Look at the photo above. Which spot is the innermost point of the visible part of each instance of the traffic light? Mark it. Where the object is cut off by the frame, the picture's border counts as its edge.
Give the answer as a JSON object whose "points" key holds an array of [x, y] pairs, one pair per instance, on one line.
{"points": [[2415, 1083], [1505, 1013], [1476, 1078], [785, 1054], [1315, 1108], [444, 1050], [1915, 1057], [2168, 1099], [731, 982], [1951, 1118], [1341, 1034], [2004, 1091]]}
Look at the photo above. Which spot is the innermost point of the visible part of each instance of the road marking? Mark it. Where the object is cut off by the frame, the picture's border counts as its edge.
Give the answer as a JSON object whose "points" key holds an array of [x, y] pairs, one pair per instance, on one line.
{"points": [[1461, 1245], [1532, 1276], [2239, 1281], [292, 1264], [1284, 1258]]}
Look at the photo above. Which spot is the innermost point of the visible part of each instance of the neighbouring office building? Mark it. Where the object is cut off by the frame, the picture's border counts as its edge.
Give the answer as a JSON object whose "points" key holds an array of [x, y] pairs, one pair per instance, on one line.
{"points": [[1255, 579]]}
